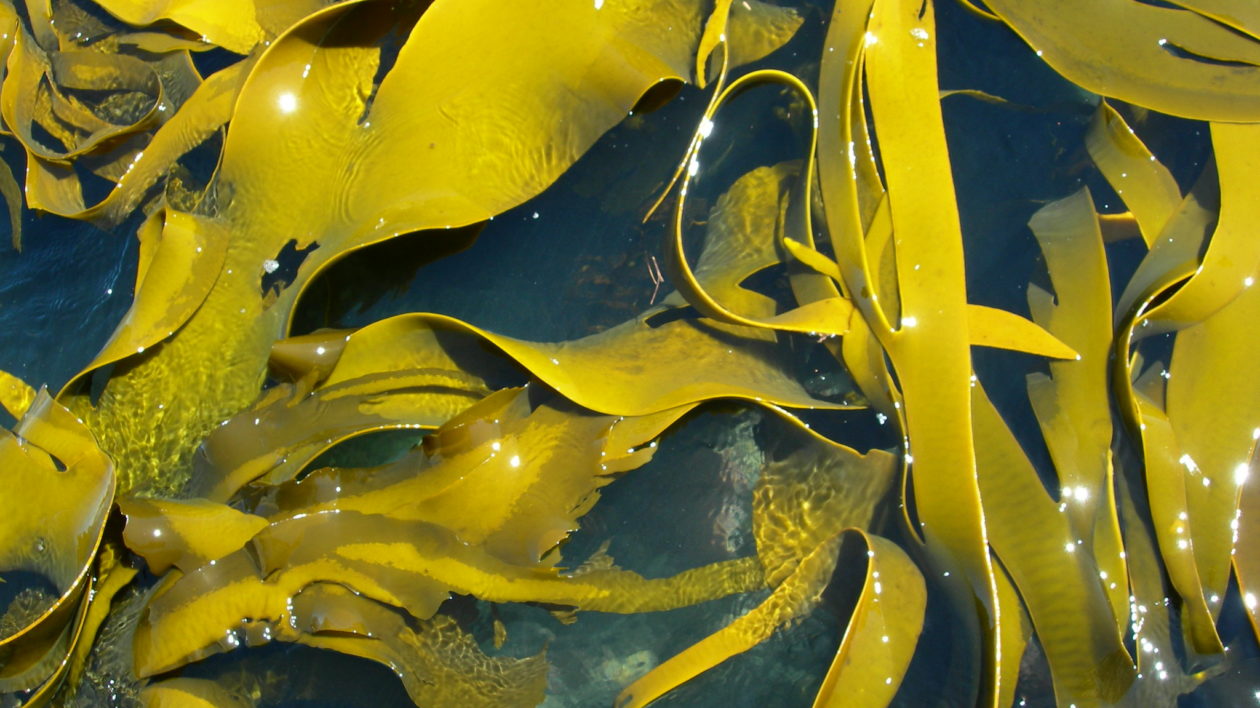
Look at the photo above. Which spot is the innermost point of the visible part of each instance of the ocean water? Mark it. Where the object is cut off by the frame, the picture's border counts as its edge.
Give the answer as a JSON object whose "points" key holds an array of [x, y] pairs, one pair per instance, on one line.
{"points": [[574, 261]]}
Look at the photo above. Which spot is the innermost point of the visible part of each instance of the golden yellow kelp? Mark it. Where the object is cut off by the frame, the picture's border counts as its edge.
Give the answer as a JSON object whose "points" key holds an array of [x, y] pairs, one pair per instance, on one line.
{"points": [[430, 490], [49, 456]]}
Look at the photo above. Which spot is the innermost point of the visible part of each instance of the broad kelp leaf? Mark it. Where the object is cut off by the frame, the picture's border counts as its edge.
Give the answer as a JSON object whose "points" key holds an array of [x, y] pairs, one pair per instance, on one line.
{"points": [[12, 193], [1213, 406], [186, 534], [1246, 557], [883, 632], [1239, 14], [1231, 262], [405, 564], [932, 359], [1145, 185], [313, 112], [690, 360], [285, 430], [1071, 404], [1125, 49], [53, 459], [1168, 478], [1051, 565]]}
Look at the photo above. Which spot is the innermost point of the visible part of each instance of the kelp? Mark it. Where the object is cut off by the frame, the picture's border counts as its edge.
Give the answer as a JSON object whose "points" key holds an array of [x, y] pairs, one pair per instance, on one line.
{"points": [[343, 126], [49, 455]]}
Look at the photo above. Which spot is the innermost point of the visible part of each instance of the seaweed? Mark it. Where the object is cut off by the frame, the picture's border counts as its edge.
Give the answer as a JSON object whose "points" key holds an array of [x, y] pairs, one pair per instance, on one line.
{"points": [[176, 500]]}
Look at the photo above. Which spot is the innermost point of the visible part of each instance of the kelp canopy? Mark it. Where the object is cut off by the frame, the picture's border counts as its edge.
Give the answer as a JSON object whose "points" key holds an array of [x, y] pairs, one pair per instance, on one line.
{"points": [[870, 351]]}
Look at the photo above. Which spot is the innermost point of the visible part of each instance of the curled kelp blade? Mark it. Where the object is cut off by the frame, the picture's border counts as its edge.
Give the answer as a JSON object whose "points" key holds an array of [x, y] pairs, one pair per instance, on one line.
{"points": [[51, 531], [285, 431], [52, 186], [411, 565], [1144, 183], [437, 661], [502, 475], [693, 360], [1072, 404], [403, 89], [235, 25], [1168, 59], [1206, 432], [32, 96], [1231, 262]]}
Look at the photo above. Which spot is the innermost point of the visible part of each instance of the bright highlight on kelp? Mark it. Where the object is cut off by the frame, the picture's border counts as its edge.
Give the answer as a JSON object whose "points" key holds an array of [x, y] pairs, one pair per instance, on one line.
{"points": [[172, 471]]}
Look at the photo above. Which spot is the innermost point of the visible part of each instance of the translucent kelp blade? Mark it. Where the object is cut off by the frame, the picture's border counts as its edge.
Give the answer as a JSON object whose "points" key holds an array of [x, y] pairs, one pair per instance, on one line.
{"points": [[36, 664], [285, 431], [1175, 254], [932, 359], [235, 25], [755, 29], [740, 238], [690, 360], [394, 562], [810, 495], [12, 193], [1232, 260], [53, 187], [438, 663], [1246, 558], [883, 632], [1213, 404], [32, 95], [1145, 185], [1016, 628], [1124, 49], [502, 477], [1161, 676], [1052, 567], [794, 597], [190, 693], [182, 270], [16, 396], [987, 326], [1169, 477], [313, 113], [186, 534], [51, 529], [1072, 404]]}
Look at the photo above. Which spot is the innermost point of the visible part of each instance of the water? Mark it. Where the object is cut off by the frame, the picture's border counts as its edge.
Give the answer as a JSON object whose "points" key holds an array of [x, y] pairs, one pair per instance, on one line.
{"points": [[576, 260]]}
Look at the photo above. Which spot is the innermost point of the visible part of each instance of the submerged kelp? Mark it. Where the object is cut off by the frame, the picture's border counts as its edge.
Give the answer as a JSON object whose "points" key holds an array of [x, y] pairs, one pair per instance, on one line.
{"points": [[196, 492]]}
